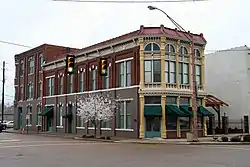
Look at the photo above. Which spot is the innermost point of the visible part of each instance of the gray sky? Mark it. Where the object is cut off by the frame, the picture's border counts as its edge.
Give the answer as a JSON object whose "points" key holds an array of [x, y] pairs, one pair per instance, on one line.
{"points": [[224, 23]]}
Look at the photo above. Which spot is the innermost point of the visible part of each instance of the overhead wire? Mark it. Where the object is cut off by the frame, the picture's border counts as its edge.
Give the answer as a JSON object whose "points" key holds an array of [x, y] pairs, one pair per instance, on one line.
{"points": [[130, 1]]}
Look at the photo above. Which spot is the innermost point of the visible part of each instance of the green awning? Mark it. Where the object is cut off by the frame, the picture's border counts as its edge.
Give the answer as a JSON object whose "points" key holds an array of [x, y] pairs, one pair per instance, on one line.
{"points": [[184, 107], [174, 110], [152, 110], [204, 111], [47, 111]]}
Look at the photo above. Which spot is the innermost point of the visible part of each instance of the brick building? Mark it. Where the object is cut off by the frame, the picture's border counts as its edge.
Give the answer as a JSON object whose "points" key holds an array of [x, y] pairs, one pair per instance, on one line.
{"points": [[28, 81], [150, 71]]}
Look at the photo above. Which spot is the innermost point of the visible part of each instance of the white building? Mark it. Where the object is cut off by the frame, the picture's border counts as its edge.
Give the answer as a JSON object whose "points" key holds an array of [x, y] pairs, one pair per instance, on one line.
{"points": [[228, 77]]}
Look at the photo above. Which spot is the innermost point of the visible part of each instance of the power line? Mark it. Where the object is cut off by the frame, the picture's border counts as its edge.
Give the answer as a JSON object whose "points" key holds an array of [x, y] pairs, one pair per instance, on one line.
{"points": [[16, 44], [130, 1]]}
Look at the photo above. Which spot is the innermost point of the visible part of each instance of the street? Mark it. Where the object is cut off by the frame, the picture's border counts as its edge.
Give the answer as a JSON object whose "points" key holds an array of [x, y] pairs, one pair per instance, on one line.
{"points": [[30, 150]]}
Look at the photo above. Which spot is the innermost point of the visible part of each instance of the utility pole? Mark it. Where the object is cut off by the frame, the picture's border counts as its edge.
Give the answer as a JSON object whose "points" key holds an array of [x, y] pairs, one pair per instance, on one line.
{"points": [[3, 91]]}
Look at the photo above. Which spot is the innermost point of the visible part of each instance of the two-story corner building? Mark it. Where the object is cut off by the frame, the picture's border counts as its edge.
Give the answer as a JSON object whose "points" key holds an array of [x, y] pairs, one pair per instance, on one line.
{"points": [[150, 71], [29, 81]]}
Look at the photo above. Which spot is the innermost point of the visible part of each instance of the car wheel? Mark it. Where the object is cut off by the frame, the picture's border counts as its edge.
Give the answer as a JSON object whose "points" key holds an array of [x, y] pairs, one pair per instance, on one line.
{"points": [[4, 127]]}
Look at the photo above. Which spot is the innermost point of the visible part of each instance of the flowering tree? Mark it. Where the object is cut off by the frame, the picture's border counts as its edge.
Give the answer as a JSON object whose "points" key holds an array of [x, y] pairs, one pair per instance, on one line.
{"points": [[96, 107]]}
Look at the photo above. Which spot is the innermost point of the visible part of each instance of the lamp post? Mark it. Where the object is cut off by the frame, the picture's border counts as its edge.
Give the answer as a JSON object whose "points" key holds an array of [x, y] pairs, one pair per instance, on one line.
{"points": [[193, 78]]}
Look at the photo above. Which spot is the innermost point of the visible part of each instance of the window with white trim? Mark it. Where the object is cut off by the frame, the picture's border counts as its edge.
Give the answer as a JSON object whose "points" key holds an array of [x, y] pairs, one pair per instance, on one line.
{"points": [[152, 71], [183, 52], [198, 74], [183, 73], [60, 116], [93, 79], [29, 112], [50, 86], [170, 50], [81, 81], [40, 62], [170, 71], [31, 65], [124, 115], [152, 47], [38, 117], [125, 74], [60, 91], [21, 72], [30, 91], [70, 83], [106, 80], [197, 53]]}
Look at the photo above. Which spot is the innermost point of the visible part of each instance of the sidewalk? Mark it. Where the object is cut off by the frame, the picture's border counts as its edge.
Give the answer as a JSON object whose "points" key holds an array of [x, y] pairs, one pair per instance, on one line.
{"points": [[209, 140]]}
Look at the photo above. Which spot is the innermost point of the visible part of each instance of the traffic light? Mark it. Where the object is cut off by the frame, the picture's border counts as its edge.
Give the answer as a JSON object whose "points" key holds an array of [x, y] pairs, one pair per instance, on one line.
{"points": [[70, 64], [103, 67]]}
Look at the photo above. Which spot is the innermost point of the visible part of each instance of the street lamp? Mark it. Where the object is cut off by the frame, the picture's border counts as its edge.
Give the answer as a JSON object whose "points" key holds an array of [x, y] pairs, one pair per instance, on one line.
{"points": [[193, 78]]}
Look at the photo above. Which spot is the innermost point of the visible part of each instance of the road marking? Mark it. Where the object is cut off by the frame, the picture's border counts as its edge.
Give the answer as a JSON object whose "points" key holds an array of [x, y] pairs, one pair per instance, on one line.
{"points": [[8, 140], [226, 147], [44, 145], [23, 142]]}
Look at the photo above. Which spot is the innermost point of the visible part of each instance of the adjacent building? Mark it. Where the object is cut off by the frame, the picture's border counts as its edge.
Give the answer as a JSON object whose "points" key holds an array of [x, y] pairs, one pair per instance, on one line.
{"points": [[228, 77], [29, 81], [150, 70]]}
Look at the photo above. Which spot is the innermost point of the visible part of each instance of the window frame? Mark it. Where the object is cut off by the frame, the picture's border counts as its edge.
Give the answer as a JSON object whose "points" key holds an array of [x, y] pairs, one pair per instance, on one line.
{"points": [[152, 72], [81, 81], [50, 86], [123, 74], [93, 79], [31, 65], [152, 49], [123, 113]]}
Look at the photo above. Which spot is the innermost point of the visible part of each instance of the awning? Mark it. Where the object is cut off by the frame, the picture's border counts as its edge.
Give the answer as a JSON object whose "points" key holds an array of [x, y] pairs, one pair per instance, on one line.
{"points": [[68, 116], [174, 110], [152, 110], [204, 111], [185, 107], [48, 111]]}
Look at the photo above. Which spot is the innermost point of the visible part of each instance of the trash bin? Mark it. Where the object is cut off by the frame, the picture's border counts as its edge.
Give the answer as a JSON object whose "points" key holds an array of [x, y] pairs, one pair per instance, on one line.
{"points": [[190, 136]]}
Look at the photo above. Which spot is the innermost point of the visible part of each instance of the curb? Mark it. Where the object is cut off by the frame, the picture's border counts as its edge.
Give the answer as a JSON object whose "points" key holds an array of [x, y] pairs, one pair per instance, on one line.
{"points": [[93, 139], [188, 143]]}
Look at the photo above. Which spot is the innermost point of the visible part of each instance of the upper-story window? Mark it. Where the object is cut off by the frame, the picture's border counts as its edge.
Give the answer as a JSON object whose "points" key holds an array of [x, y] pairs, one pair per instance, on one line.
{"points": [[60, 80], [170, 50], [125, 74], [152, 71], [31, 65], [198, 74], [152, 47], [183, 52], [93, 79], [70, 83], [81, 81], [21, 93], [183, 73], [40, 89], [30, 91], [50, 86], [40, 62], [106, 80], [21, 68], [197, 53]]}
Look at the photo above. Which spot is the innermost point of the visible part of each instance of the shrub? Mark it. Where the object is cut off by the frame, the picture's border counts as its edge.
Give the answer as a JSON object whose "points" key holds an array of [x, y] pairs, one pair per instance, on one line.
{"points": [[236, 139], [108, 138], [246, 138], [224, 139], [90, 136], [102, 137]]}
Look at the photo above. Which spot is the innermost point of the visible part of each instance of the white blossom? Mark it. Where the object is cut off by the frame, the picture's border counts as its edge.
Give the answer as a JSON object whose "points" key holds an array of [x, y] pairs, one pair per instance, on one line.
{"points": [[96, 107]]}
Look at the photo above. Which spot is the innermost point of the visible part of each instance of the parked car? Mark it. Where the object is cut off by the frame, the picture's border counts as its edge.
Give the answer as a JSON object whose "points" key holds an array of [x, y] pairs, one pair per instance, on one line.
{"points": [[8, 124]]}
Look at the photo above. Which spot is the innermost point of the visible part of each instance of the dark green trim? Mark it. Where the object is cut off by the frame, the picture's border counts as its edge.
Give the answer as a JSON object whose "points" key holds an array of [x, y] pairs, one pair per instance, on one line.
{"points": [[174, 110], [152, 110], [204, 111]]}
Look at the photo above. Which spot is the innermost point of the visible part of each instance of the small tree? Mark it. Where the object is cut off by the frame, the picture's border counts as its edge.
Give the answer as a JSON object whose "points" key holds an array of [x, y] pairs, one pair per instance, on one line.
{"points": [[96, 107]]}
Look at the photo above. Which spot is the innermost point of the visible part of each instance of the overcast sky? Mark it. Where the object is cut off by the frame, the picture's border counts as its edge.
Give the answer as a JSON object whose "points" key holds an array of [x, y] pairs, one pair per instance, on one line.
{"points": [[224, 23]]}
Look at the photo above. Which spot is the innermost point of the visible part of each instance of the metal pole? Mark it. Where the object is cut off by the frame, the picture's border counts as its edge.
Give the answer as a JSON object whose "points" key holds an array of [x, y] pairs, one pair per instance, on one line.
{"points": [[3, 91], [193, 78]]}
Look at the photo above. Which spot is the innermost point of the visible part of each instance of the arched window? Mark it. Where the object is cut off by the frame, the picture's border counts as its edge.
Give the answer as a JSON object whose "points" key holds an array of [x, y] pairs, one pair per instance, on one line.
{"points": [[197, 53], [183, 51], [170, 48], [152, 47]]}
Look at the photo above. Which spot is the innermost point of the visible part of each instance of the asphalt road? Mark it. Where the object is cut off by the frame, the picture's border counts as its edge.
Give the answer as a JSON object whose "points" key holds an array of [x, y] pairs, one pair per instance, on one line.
{"points": [[37, 151]]}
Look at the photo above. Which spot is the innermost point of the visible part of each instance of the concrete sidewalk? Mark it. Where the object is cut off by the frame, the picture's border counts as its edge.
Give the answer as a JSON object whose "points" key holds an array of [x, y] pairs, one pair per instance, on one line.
{"points": [[209, 140]]}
